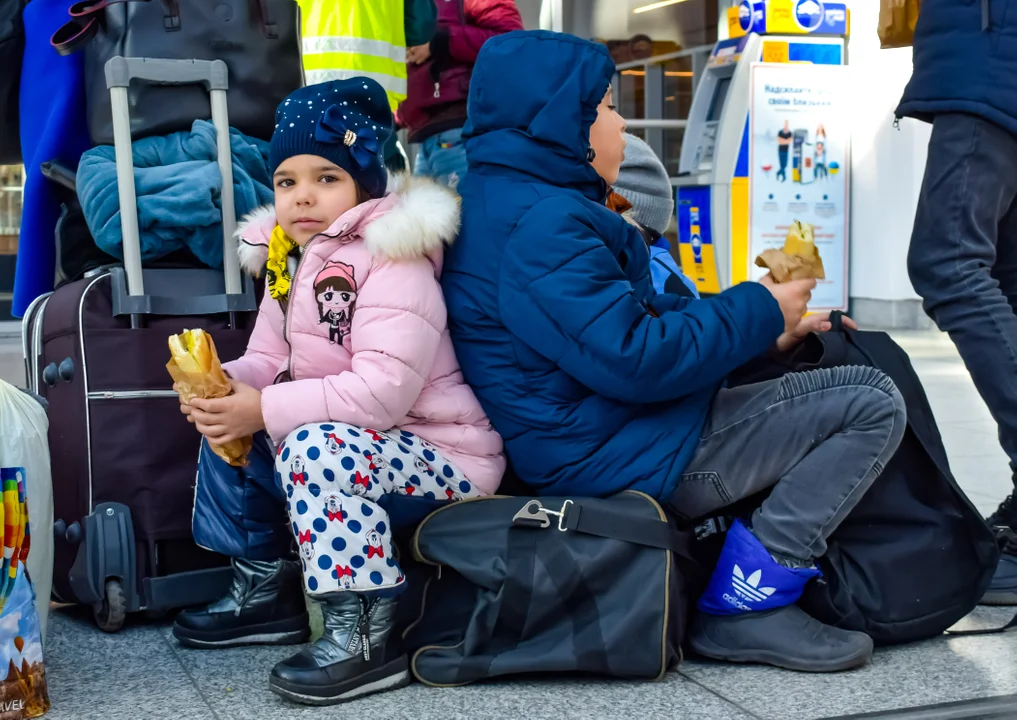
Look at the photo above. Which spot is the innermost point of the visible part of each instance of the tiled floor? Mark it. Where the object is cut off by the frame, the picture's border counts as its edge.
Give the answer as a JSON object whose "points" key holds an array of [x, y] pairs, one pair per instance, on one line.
{"points": [[141, 673]]}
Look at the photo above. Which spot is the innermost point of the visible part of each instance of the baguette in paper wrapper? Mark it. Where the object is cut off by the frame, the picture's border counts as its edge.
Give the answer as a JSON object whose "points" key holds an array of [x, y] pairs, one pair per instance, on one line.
{"points": [[196, 372], [798, 260]]}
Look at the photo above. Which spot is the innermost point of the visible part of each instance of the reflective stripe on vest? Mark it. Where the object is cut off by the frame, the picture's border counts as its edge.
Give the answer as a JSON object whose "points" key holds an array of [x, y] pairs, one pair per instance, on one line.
{"points": [[351, 38]]}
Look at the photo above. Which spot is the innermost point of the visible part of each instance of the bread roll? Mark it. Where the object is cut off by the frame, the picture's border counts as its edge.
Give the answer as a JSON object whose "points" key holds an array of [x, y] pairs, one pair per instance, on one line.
{"points": [[191, 351], [800, 240]]}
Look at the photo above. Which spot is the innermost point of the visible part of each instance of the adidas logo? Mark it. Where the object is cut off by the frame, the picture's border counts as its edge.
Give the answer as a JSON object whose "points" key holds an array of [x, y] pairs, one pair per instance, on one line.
{"points": [[748, 588]]}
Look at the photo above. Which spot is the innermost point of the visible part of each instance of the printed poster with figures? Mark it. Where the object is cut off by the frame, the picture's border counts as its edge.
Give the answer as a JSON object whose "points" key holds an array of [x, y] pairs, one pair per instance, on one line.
{"points": [[799, 167]]}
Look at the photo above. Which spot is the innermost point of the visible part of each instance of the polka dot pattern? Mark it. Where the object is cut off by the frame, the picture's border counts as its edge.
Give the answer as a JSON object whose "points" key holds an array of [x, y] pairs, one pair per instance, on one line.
{"points": [[344, 535]]}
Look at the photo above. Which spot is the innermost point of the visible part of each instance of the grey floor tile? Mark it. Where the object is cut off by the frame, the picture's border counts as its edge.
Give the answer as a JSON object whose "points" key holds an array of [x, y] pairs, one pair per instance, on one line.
{"points": [[235, 683], [973, 439], [986, 504], [989, 476], [132, 675], [936, 671]]}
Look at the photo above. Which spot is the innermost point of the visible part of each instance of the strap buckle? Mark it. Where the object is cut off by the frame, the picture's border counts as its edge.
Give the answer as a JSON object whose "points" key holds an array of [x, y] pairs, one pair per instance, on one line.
{"points": [[534, 513], [712, 526]]}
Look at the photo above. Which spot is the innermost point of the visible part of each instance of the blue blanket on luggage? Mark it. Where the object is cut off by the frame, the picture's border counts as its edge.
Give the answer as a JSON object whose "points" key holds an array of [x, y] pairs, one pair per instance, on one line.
{"points": [[179, 186]]}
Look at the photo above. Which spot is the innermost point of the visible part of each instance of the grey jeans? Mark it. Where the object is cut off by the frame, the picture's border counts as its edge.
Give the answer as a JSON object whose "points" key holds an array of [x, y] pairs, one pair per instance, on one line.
{"points": [[963, 256], [818, 438]]}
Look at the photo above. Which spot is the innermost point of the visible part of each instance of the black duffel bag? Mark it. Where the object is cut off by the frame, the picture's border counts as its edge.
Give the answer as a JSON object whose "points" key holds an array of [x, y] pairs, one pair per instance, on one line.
{"points": [[914, 556], [547, 585], [259, 40]]}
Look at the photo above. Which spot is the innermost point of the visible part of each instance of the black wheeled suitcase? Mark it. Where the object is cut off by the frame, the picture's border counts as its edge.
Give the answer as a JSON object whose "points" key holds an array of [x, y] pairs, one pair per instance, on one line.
{"points": [[124, 458]]}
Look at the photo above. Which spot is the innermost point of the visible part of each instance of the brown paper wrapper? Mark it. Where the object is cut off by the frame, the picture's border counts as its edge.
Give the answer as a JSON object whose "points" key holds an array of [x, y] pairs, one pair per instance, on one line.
{"points": [[897, 21], [784, 267], [209, 385]]}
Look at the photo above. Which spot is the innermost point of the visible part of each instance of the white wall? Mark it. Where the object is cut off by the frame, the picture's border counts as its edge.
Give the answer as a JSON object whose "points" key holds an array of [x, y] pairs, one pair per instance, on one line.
{"points": [[886, 164], [530, 11]]}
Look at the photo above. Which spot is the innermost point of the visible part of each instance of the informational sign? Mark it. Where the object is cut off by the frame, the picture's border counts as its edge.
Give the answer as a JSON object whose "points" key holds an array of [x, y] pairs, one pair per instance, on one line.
{"points": [[788, 17], [799, 160]]}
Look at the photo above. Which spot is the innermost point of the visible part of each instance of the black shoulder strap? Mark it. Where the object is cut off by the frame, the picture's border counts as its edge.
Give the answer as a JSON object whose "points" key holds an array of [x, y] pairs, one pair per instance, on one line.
{"points": [[592, 520]]}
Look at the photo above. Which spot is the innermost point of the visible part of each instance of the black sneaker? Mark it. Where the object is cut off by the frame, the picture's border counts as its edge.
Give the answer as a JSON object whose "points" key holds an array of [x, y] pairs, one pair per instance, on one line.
{"points": [[786, 637], [1003, 588], [265, 606], [1005, 515]]}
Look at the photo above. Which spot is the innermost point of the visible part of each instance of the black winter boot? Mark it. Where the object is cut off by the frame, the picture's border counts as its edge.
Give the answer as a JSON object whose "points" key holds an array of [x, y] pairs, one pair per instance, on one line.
{"points": [[358, 655], [265, 606]]}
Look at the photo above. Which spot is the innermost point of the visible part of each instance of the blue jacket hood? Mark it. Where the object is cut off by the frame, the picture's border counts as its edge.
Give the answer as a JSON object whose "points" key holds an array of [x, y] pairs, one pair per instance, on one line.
{"points": [[555, 83]]}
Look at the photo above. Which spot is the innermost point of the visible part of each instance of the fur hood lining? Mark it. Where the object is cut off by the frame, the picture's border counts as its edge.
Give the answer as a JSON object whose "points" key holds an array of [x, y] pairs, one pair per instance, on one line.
{"points": [[422, 217]]}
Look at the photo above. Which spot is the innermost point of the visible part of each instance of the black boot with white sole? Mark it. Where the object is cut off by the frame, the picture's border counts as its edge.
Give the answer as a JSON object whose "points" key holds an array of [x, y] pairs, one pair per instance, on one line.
{"points": [[359, 654], [265, 606]]}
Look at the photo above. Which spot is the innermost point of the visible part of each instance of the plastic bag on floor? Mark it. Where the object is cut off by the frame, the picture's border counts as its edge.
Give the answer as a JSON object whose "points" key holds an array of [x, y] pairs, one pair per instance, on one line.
{"points": [[23, 691], [24, 442]]}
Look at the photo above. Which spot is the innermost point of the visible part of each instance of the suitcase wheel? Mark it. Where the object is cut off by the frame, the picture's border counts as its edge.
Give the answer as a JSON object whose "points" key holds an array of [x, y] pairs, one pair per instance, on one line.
{"points": [[111, 614]]}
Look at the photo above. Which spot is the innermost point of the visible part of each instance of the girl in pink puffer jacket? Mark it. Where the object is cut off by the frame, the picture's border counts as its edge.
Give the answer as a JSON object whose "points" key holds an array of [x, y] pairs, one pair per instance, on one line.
{"points": [[351, 388]]}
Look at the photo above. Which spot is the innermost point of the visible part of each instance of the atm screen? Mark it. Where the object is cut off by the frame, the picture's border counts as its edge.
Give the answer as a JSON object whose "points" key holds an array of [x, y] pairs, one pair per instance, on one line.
{"points": [[719, 96]]}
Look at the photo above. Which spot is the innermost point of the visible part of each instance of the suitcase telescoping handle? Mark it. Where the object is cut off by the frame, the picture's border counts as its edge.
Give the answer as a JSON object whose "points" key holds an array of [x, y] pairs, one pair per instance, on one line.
{"points": [[213, 75]]}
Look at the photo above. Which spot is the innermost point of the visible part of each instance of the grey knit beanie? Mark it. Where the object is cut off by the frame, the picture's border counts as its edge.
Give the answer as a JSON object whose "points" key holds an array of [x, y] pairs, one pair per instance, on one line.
{"points": [[643, 181]]}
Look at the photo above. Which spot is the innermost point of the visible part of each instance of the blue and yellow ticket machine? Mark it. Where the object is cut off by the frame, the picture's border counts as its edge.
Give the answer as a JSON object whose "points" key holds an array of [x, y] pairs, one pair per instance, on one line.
{"points": [[713, 184]]}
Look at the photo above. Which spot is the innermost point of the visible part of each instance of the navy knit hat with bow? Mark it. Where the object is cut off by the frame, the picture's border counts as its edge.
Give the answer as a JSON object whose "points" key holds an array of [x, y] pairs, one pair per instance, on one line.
{"points": [[346, 122]]}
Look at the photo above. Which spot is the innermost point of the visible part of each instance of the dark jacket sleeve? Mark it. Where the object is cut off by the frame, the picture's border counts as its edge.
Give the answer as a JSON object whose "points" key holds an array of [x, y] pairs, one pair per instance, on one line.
{"points": [[563, 294], [421, 21], [484, 20]]}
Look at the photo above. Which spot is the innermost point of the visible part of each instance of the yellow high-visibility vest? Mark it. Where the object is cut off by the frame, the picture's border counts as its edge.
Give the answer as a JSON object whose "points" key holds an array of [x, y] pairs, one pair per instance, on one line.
{"points": [[350, 38]]}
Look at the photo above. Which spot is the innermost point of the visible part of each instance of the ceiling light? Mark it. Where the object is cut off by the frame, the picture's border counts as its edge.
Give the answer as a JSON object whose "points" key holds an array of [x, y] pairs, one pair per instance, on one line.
{"points": [[656, 6]]}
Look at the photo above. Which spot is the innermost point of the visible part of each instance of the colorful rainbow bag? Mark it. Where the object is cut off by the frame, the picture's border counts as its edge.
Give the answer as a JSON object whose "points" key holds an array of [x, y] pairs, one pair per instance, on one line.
{"points": [[23, 691]]}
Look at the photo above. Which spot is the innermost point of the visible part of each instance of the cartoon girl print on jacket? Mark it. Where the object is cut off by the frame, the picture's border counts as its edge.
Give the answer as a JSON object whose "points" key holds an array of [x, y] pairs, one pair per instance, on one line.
{"points": [[335, 289]]}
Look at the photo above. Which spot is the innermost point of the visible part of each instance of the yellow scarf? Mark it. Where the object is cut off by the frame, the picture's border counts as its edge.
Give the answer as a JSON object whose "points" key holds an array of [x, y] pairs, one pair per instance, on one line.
{"points": [[280, 245]]}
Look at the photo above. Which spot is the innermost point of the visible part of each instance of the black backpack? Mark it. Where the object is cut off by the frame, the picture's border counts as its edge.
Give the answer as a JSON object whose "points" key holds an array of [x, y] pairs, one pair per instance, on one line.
{"points": [[914, 556]]}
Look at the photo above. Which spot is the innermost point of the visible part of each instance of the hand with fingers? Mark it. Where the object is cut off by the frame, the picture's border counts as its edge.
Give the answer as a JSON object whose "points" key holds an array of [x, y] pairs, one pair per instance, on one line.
{"points": [[794, 297], [223, 420]]}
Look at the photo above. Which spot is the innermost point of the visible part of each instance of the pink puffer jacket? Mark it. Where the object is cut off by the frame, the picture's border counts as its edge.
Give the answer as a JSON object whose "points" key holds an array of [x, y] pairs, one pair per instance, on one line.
{"points": [[364, 340]]}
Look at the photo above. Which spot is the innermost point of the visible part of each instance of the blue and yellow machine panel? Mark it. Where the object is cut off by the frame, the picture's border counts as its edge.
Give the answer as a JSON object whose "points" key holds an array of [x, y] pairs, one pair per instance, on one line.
{"points": [[788, 17], [695, 245]]}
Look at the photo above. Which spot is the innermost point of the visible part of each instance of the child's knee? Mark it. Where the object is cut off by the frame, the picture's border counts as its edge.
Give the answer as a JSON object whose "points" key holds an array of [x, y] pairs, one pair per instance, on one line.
{"points": [[313, 444], [328, 455]]}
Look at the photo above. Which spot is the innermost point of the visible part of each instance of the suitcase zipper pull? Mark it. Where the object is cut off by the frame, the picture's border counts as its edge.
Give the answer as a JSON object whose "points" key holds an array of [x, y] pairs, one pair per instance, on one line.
{"points": [[437, 91]]}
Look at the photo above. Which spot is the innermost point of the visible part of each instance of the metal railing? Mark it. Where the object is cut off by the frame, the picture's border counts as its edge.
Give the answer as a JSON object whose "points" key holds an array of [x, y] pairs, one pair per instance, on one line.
{"points": [[654, 119]]}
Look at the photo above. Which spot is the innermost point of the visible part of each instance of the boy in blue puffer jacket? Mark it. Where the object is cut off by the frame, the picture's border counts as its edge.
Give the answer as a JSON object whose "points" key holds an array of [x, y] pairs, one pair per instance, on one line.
{"points": [[598, 384]]}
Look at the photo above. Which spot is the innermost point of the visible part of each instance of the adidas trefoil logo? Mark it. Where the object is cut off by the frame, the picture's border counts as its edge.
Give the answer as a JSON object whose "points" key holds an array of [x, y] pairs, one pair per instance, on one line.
{"points": [[748, 588]]}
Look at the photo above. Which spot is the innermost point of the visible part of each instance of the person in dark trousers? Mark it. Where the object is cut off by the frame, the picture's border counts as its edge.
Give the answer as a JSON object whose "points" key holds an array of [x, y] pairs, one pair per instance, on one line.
{"points": [[599, 384], [439, 79], [963, 255]]}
